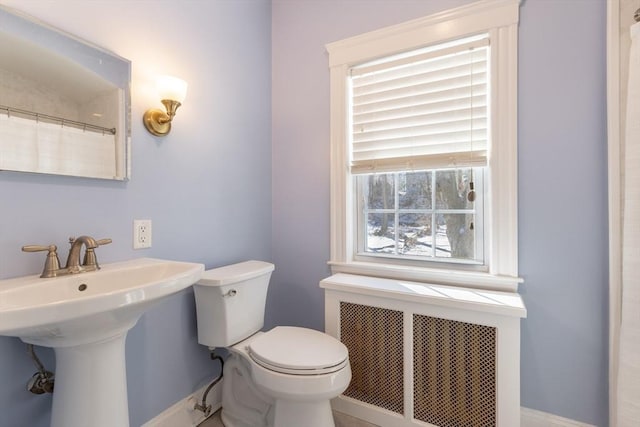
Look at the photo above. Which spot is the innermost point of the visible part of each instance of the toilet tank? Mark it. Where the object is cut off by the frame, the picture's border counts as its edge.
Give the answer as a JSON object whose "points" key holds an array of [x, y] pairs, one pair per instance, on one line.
{"points": [[230, 302]]}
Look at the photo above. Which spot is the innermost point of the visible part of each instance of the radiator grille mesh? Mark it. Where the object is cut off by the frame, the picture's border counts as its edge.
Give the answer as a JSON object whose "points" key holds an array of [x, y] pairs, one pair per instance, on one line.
{"points": [[374, 338], [454, 373]]}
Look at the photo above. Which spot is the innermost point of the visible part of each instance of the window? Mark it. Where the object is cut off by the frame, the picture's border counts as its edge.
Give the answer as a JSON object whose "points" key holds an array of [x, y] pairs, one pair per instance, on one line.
{"points": [[409, 113], [421, 216], [423, 136]]}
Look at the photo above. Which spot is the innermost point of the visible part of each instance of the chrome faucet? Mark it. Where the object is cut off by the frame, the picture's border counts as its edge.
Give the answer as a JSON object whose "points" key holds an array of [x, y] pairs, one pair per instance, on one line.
{"points": [[73, 265]]}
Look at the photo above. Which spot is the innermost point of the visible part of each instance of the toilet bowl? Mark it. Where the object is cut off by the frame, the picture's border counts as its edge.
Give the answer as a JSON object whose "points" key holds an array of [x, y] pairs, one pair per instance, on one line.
{"points": [[284, 377]]}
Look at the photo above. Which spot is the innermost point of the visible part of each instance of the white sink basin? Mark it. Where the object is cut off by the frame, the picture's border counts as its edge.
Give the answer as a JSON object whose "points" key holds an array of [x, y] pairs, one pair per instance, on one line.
{"points": [[81, 306], [85, 317]]}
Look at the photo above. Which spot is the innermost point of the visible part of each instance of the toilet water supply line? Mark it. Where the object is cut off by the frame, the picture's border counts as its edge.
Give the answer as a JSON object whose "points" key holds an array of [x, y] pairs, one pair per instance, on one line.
{"points": [[203, 406], [43, 380]]}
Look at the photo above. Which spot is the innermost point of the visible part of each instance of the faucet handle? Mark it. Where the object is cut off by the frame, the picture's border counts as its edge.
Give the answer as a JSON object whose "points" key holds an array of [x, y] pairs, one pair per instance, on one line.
{"points": [[90, 259], [51, 264], [39, 248]]}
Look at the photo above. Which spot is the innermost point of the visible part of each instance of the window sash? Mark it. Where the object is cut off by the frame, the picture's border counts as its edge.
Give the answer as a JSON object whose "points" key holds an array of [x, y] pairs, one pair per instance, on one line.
{"points": [[478, 262]]}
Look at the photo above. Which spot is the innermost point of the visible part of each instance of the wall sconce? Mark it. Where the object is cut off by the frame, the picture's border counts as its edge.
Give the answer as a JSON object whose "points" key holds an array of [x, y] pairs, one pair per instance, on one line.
{"points": [[172, 92]]}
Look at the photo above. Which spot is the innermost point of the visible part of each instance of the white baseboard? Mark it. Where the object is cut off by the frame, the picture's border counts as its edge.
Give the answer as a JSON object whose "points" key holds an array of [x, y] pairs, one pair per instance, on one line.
{"points": [[533, 418], [183, 414]]}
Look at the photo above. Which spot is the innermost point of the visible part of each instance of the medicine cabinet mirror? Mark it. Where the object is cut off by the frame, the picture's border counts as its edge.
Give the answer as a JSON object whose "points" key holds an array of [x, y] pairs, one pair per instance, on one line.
{"points": [[64, 103]]}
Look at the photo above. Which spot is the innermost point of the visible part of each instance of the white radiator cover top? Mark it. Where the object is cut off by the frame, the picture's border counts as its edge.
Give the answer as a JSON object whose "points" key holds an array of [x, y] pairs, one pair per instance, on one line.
{"points": [[492, 302]]}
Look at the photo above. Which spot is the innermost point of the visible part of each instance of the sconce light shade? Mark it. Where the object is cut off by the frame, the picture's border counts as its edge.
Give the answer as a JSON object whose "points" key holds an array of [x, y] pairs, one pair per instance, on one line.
{"points": [[173, 88], [172, 92]]}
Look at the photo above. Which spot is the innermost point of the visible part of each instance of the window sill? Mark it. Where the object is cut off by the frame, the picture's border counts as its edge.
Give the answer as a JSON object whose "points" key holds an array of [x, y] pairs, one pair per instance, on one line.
{"points": [[468, 279]]}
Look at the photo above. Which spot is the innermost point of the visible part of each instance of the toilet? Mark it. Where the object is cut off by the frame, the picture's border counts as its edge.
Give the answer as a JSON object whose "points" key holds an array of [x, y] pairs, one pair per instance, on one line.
{"points": [[284, 377]]}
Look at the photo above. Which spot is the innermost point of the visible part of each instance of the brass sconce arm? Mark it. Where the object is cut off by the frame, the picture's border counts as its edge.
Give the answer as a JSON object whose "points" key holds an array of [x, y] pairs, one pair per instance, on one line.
{"points": [[158, 122]]}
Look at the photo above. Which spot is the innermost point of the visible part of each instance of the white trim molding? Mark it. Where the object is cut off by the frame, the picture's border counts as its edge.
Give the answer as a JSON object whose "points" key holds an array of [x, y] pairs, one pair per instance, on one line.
{"points": [[458, 22], [615, 197], [498, 18], [183, 414], [469, 279], [533, 418]]}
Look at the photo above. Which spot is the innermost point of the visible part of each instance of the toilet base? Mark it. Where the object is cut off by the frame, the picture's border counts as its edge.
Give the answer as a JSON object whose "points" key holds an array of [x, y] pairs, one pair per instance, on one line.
{"points": [[242, 404], [253, 396], [307, 414]]}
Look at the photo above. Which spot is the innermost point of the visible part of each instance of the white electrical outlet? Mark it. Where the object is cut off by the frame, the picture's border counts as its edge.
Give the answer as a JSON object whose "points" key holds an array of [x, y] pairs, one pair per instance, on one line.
{"points": [[141, 233]]}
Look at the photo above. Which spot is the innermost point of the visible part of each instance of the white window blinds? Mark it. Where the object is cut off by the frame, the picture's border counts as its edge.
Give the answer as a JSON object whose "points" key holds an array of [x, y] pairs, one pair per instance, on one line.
{"points": [[423, 109]]}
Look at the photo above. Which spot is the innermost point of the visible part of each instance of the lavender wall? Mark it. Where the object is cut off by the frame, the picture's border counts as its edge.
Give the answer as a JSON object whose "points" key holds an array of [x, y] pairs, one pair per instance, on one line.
{"points": [[563, 208], [562, 181], [206, 186]]}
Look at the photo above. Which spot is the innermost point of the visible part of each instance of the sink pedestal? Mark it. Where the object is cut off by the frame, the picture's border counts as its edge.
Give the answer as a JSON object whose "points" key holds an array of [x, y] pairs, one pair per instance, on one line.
{"points": [[91, 385], [91, 380]]}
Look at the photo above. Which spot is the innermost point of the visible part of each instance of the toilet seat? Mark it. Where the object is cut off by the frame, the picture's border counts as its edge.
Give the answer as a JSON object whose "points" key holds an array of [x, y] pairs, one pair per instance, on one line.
{"points": [[298, 351]]}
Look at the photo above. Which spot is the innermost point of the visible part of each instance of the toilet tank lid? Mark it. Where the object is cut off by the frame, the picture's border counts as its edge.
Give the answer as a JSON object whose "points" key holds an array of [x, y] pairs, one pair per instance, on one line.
{"points": [[235, 273]]}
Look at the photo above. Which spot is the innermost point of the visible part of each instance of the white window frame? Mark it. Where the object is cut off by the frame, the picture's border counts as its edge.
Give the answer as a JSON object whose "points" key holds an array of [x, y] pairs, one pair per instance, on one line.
{"points": [[498, 18]]}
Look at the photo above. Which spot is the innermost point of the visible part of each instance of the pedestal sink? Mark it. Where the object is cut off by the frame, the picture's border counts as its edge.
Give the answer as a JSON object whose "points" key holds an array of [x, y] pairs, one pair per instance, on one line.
{"points": [[85, 318]]}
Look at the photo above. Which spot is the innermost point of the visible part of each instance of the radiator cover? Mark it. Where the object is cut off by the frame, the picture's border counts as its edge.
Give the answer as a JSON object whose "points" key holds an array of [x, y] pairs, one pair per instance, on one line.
{"points": [[419, 358]]}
